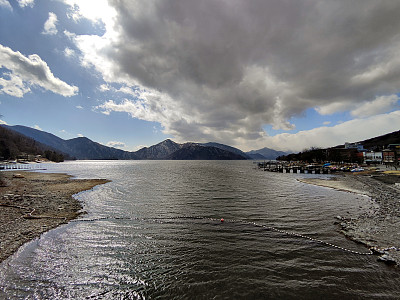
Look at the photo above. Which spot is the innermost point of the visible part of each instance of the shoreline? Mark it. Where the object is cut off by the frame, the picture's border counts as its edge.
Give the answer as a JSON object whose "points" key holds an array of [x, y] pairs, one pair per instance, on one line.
{"points": [[378, 229], [32, 203]]}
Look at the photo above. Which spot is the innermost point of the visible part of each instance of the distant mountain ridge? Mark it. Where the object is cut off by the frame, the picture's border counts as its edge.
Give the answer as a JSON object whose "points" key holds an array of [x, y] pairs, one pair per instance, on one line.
{"points": [[15, 145], [84, 148], [193, 151], [227, 148], [80, 147], [158, 151], [265, 153]]}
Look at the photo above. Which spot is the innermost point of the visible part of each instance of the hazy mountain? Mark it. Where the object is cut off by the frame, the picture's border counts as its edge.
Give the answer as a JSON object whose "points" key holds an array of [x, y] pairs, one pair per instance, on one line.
{"points": [[257, 156], [266, 153], [227, 148], [159, 151], [192, 151]]}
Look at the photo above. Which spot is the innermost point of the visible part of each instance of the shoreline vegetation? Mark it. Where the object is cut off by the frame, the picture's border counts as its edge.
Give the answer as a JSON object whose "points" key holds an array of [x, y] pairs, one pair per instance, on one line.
{"points": [[379, 228], [32, 203]]}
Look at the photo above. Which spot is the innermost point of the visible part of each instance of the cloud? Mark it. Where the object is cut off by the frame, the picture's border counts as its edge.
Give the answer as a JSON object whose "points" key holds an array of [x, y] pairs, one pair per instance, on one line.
{"points": [[115, 144], [37, 127], [24, 3], [50, 27], [68, 52], [3, 122], [138, 147], [350, 131], [80, 135], [220, 70], [6, 4], [380, 105], [23, 72], [79, 107], [326, 123], [94, 10]]}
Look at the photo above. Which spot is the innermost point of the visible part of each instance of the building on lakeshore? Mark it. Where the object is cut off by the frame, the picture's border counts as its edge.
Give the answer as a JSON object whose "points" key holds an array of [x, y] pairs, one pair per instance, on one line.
{"points": [[372, 157], [393, 153], [357, 146]]}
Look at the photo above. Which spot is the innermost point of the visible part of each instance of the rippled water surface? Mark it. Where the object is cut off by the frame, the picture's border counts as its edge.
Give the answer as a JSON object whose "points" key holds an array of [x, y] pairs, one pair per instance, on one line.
{"points": [[135, 244]]}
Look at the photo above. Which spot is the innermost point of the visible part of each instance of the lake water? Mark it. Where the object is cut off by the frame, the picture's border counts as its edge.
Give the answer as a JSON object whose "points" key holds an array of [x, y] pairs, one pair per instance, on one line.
{"points": [[139, 242]]}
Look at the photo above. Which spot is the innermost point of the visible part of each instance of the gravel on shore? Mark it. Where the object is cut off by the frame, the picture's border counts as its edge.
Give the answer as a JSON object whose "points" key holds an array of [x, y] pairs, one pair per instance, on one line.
{"points": [[378, 229], [32, 203]]}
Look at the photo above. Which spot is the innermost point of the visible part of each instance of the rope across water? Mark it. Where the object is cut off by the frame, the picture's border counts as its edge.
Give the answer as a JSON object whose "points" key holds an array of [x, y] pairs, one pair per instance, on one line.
{"points": [[371, 251]]}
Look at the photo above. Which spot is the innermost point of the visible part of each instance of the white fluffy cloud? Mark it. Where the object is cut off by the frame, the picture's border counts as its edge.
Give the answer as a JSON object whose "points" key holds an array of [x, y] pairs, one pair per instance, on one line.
{"points": [[24, 3], [50, 26], [6, 4], [351, 131], [116, 144], [68, 52], [380, 105], [23, 72], [220, 70]]}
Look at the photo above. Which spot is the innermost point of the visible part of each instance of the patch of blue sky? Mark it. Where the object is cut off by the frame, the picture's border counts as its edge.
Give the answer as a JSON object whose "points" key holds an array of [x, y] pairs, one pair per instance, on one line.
{"points": [[308, 120], [5, 73]]}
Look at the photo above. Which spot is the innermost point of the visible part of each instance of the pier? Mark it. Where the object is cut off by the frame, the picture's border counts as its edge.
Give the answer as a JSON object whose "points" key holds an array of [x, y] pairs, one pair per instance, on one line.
{"points": [[278, 167], [20, 166]]}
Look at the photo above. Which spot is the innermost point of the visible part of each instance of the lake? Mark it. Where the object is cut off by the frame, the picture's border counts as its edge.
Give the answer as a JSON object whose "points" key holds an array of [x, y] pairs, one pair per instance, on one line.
{"points": [[155, 232]]}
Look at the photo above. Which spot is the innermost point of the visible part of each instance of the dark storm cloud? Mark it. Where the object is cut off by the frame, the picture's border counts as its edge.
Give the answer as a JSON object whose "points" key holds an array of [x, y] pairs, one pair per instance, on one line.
{"points": [[228, 67]]}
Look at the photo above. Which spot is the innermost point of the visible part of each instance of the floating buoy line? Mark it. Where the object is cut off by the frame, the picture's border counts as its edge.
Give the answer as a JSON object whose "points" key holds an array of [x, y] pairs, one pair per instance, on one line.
{"points": [[371, 251]]}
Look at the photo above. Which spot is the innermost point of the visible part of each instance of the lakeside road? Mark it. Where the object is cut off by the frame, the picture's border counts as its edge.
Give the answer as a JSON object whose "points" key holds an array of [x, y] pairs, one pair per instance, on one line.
{"points": [[380, 227], [32, 203]]}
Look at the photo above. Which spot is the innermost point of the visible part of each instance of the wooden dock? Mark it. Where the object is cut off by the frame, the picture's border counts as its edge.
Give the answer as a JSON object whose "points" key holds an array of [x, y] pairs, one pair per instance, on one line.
{"points": [[20, 166], [295, 169]]}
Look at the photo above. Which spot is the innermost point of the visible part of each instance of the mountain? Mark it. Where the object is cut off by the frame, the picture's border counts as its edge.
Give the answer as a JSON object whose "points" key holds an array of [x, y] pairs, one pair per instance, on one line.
{"points": [[40, 136], [380, 142], [192, 151], [227, 148], [340, 153], [79, 148], [14, 144], [266, 153], [159, 151], [256, 156], [84, 148]]}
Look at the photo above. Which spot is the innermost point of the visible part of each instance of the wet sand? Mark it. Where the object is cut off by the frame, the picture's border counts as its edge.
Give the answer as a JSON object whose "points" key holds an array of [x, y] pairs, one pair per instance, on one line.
{"points": [[378, 229], [34, 203]]}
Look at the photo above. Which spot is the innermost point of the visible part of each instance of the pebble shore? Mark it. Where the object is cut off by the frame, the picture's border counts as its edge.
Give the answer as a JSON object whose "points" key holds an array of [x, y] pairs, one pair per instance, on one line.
{"points": [[32, 203], [378, 229]]}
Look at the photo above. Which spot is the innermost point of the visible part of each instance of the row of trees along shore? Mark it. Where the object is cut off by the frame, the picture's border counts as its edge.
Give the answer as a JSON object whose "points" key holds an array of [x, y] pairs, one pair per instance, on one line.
{"points": [[17, 146], [318, 155]]}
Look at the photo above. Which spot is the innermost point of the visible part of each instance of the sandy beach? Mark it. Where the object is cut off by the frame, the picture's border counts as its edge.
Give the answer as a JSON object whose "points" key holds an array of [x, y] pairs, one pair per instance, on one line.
{"points": [[32, 203], [379, 229]]}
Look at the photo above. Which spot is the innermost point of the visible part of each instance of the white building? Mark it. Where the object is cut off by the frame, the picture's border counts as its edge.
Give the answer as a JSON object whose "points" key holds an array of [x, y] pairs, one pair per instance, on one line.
{"points": [[372, 157], [357, 146]]}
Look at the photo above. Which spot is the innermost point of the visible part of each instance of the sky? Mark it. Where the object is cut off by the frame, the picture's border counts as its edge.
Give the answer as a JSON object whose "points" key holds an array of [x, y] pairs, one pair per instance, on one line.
{"points": [[282, 74]]}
